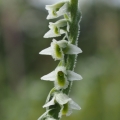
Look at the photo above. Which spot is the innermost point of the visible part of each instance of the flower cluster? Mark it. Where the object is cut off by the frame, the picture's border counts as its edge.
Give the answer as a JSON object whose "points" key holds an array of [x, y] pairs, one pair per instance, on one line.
{"points": [[58, 102]]}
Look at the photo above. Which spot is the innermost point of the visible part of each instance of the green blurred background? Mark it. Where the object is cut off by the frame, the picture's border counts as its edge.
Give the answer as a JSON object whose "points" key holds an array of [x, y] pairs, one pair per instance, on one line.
{"points": [[22, 94]]}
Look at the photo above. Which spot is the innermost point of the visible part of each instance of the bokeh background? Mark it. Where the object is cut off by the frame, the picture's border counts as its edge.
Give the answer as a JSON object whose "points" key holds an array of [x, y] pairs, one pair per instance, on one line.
{"points": [[22, 94]]}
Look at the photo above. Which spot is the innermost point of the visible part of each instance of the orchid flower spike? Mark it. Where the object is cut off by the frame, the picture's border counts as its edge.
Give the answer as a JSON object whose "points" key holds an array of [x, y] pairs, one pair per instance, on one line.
{"points": [[58, 103], [57, 9], [57, 28], [61, 76], [59, 48], [43, 117], [66, 103]]}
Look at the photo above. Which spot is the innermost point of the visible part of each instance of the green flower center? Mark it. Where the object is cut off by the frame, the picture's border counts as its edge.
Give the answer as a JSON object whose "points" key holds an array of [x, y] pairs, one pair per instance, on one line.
{"points": [[61, 78], [54, 13], [65, 109], [58, 51], [56, 30]]}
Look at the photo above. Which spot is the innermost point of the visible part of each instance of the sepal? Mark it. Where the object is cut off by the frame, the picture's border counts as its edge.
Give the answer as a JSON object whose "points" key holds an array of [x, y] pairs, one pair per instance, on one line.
{"points": [[73, 49], [73, 76]]}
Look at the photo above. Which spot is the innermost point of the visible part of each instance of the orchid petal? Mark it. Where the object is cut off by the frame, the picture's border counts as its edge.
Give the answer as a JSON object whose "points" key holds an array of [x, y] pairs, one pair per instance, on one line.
{"points": [[61, 68], [73, 76], [74, 105], [63, 9], [50, 34], [73, 49], [63, 43], [47, 51], [49, 77]]}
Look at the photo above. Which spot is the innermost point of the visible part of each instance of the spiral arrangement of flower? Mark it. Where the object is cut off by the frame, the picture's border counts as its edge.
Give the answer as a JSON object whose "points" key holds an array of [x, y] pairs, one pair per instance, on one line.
{"points": [[65, 50]]}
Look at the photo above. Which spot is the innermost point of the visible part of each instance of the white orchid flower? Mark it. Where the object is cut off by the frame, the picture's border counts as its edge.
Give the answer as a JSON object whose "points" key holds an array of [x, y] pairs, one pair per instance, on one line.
{"points": [[57, 9], [68, 107], [61, 76], [57, 28], [66, 103], [59, 48]]}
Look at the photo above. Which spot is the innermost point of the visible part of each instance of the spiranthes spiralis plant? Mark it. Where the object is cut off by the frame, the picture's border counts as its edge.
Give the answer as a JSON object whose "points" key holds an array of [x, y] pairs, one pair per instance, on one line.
{"points": [[65, 50]]}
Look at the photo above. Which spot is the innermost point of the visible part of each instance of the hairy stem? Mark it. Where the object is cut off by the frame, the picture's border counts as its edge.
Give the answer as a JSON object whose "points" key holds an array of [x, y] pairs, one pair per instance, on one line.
{"points": [[73, 37]]}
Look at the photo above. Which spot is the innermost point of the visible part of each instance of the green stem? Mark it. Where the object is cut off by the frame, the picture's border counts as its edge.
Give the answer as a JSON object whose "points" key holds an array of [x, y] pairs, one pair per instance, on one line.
{"points": [[73, 37]]}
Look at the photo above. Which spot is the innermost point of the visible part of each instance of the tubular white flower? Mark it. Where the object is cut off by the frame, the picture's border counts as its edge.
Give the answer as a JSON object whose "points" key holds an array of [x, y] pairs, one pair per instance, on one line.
{"points": [[54, 50], [57, 28], [61, 81], [57, 9], [60, 98], [61, 76], [66, 103], [59, 48], [68, 107]]}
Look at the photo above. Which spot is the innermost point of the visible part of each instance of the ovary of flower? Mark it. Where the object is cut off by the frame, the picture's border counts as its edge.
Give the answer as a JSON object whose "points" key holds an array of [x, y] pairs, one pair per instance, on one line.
{"points": [[57, 9], [66, 103], [57, 28], [59, 48], [61, 76]]}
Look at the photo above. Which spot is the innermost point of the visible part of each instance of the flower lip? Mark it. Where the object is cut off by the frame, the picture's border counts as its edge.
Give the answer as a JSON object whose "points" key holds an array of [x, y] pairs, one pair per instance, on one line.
{"points": [[57, 52], [65, 109], [61, 81]]}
